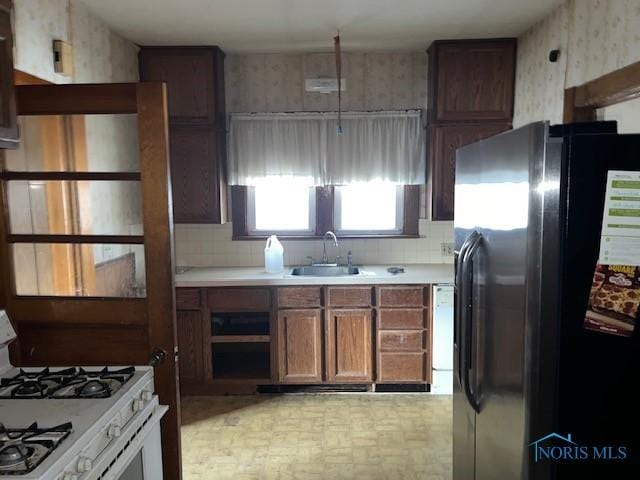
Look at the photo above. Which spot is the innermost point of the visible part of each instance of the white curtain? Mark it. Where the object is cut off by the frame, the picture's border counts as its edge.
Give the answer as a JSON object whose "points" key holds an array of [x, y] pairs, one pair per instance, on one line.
{"points": [[373, 146]]}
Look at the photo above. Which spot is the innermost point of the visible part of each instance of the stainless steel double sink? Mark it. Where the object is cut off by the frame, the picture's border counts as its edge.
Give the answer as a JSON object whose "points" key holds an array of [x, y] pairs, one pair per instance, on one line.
{"points": [[325, 271]]}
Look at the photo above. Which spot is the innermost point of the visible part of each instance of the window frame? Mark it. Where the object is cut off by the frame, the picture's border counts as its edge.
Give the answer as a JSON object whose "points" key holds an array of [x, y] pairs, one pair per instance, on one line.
{"points": [[325, 216], [251, 218]]}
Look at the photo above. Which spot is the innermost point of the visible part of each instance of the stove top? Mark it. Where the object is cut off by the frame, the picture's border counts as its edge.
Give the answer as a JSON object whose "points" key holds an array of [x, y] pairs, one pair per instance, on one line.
{"points": [[23, 449], [65, 383]]}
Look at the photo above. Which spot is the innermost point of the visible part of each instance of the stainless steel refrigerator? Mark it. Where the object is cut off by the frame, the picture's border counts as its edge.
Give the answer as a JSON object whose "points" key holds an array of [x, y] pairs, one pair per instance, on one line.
{"points": [[528, 216]]}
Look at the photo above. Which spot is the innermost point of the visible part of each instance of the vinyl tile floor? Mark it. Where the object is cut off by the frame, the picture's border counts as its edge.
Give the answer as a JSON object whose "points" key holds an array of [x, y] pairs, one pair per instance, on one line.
{"points": [[317, 437]]}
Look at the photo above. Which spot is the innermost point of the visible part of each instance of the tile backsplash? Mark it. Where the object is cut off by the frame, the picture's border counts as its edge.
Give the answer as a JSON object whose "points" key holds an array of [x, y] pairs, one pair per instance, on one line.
{"points": [[211, 246]]}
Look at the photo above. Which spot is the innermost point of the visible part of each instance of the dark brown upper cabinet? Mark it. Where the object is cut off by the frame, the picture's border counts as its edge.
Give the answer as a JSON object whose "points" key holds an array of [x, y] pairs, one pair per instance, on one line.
{"points": [[471, 88], [472, 80], [9, 135], [197, 127], [444, 141]]}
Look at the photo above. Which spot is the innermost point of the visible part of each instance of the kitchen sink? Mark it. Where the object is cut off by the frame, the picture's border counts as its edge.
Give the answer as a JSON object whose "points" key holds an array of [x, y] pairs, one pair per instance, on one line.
{"points": [[325, 271]]}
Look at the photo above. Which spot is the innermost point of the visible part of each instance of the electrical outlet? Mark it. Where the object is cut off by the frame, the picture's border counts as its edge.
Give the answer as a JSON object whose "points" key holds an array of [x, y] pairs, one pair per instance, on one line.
{"points": [[446, 249]]}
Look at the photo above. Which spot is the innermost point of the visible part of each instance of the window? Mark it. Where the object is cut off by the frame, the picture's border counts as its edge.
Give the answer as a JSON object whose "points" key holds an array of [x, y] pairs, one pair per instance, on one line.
{"points": [[281, 206], [358, 210], [369, 208]]}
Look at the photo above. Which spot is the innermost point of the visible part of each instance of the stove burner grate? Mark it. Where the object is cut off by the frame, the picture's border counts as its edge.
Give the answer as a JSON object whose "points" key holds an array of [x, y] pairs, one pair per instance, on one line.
{"points": [[23, 449], [67, 383]]}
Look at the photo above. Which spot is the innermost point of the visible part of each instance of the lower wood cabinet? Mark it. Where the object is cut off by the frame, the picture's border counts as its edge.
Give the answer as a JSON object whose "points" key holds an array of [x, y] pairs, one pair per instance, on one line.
{"points": [[349, 346], [300, 346], [233, 339], [190, 336]]}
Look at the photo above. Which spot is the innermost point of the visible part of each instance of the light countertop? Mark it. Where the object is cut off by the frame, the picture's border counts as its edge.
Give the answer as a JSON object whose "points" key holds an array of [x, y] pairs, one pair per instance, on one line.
{"points": [[370, 275]]}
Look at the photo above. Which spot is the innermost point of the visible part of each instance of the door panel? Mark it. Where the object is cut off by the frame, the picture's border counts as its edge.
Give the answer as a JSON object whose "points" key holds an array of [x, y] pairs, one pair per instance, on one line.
{"points": [[300, 346], [93, 330], [499, 292], [348, 344]]}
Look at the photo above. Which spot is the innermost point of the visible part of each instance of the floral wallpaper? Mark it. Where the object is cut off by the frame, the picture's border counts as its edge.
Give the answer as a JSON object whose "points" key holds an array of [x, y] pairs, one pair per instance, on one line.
{"points": [[37, 23], [99, 54], [604, 36], [275, 82], [595, 37], [539, 88]]}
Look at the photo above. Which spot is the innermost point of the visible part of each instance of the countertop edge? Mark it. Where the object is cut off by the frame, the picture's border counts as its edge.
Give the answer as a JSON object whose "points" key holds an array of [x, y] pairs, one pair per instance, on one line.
{"points": [[246, 277]]}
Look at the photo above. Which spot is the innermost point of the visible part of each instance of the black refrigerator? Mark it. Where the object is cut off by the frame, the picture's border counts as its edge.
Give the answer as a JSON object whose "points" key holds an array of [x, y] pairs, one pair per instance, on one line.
{"points": [[536, 395]]}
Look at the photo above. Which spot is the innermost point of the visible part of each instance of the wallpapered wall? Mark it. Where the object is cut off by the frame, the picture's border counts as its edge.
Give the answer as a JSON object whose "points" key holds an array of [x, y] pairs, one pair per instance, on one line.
{"points": [[275, 83], [36, 24], [595, 37], [99, 55]]}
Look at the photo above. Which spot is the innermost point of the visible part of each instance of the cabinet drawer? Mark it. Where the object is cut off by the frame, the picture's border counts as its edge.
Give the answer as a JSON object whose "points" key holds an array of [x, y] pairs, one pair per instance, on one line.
{"points": [[239, 299], [399, 319], [402, 367], [400, 296], [400, 341], [187, 298], [349, 296], [296, 297]]}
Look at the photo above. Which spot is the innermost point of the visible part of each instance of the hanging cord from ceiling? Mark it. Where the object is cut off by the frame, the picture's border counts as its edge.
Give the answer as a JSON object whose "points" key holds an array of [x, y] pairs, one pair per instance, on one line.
{"points": [[336, 42]]}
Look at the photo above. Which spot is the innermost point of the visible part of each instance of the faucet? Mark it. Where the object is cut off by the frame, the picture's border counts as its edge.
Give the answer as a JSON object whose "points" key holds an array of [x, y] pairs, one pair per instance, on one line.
{"points": [[325, 259]]}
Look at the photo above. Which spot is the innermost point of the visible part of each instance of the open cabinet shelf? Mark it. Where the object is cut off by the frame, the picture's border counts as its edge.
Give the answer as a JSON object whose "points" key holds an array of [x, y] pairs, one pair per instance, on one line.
{"points": [[241, 361]]}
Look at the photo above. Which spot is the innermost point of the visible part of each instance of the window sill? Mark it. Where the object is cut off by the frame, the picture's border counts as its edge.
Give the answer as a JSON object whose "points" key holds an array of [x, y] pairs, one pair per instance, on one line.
{"points": [[320, 237]]}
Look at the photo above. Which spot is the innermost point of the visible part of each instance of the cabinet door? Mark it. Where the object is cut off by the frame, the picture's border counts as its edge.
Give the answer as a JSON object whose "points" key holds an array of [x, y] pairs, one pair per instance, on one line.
{"points": [[300, 346], [191, 81], [474, 80], [198, 193], [349, 346], [8, 126], [445, 140], [190, 356]]}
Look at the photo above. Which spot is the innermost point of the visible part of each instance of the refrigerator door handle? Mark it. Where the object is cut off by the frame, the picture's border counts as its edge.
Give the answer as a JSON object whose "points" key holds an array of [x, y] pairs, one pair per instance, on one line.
{"points": [[459, 258], [466, 276]]}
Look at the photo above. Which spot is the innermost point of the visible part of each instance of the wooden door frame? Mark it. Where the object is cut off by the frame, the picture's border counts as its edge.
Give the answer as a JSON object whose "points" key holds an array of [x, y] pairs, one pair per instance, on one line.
{"points": [[150, 320], [582, 102]]}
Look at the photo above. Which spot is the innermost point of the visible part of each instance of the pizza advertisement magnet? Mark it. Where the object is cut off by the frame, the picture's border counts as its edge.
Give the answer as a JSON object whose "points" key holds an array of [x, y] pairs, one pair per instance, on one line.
{"points": [[614, 300]]}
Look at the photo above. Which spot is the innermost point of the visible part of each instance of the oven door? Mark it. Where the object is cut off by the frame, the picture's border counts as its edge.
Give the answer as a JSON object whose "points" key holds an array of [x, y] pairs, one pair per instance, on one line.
{"points": [[147, 463], [137, 455]]}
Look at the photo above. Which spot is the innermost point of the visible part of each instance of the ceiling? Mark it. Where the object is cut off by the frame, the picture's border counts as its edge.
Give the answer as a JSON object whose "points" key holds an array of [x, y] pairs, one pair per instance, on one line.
{"points": [[309, 25]]}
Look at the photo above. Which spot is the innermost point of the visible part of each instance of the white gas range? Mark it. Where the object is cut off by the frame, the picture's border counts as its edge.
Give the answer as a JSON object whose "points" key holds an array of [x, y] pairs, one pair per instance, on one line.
{"points": [[77, 423]]}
